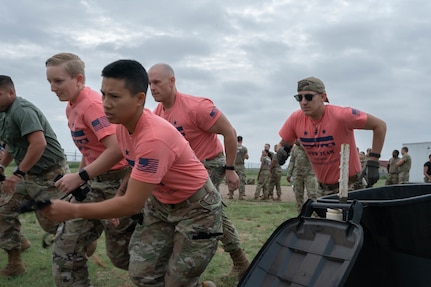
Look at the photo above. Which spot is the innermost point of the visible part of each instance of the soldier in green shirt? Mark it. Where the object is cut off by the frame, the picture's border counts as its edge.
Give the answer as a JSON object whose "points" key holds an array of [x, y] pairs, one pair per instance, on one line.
{"points": [[404, 165], [300, 173], [32, 144]]}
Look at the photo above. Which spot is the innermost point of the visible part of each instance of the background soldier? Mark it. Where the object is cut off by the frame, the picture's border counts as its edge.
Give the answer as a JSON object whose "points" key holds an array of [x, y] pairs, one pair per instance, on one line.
{"points": [[241, 156], [300, 170], [275, 180], [393, 169], [404, 165]]}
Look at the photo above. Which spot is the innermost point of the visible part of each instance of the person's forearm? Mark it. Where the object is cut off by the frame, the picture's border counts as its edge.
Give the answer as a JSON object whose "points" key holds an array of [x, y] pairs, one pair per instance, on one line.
{"points": [[378, 141], [230, 143], [111, 208], [32, 156]]}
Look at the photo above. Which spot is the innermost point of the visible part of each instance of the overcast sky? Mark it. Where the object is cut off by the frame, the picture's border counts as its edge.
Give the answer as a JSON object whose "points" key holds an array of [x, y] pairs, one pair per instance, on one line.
{"points": [[247, 56]]}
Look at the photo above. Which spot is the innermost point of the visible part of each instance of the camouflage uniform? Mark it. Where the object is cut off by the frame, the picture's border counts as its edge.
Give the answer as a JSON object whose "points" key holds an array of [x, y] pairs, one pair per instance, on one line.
{"points": [[300, 170], [355, 182], [240, 168], [263, 178], [69, 251], [275, 180], [164, 227], [21, 119], [215, 168], [404, 169], [393, 171], [36, 187]]}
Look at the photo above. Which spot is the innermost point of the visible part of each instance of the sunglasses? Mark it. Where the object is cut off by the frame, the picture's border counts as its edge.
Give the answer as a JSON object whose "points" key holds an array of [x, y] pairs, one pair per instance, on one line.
{"points": [[308, 97]]}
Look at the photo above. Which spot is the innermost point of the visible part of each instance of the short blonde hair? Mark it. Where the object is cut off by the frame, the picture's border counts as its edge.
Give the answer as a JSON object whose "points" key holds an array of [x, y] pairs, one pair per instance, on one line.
{"points": [[72, 64]]}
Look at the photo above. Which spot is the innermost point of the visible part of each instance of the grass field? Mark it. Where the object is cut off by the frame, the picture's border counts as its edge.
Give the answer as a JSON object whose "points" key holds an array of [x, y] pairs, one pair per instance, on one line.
{"points": [[255, 221]]}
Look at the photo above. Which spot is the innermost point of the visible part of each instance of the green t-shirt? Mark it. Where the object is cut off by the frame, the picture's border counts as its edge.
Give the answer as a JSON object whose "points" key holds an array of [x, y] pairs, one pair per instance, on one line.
{"points": [[241, 151], [407, 163], [22, 119]]}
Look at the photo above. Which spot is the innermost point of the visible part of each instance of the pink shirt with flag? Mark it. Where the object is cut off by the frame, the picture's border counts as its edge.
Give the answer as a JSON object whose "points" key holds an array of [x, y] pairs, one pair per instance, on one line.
{"points": [[201, 114], [89, 126], [322, 139], [162, 156]]}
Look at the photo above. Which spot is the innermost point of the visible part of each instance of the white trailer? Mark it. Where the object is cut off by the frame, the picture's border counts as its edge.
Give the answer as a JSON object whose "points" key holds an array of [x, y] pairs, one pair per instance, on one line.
{"points": [[419, 153]]}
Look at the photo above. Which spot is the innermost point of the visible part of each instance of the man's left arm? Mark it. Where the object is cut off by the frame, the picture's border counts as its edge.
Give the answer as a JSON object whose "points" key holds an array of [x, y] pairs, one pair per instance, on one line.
{"points": [[36, 147], [378, 127], [223, 126]]}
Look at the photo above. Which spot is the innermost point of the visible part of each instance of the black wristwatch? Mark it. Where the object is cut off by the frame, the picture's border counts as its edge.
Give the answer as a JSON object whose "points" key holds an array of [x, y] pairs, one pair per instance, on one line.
{"points": [[19, 173], [229, 167], [83, 174]]}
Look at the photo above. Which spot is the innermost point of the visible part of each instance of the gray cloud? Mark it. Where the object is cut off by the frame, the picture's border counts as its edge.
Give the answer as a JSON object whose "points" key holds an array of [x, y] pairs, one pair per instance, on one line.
{"points": [[247, 56]]}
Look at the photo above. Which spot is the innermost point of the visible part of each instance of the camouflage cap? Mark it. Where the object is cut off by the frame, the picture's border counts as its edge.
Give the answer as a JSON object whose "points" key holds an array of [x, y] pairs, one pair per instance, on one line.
{"points": [[312, 84]]}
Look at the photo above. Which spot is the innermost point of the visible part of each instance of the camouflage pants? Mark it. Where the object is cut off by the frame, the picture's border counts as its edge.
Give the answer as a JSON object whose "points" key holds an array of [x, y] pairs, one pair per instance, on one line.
{"points": [[69, 260], [404, 177], [31, 187], [275, 181], [240, 170], [355, 183], [176, 241], [302, 183], [216, 172], [392, 179], [262, 183], [215, 168]]}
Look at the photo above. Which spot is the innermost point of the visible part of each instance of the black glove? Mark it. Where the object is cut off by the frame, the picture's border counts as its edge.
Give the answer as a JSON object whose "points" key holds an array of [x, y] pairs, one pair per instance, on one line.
{"points": [[283, 154], [372, 172]]}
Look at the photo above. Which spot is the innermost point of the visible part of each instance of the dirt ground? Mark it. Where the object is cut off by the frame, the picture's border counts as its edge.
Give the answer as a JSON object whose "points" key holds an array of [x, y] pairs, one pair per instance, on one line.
{"points": [[286, 193]]}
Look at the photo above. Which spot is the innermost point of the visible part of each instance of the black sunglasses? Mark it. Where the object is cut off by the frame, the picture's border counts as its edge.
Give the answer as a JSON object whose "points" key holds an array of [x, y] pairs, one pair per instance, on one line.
{"points": [[308, 97]]}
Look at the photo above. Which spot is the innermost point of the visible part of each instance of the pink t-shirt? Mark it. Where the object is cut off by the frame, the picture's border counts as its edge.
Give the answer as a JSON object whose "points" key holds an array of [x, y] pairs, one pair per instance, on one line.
{"points": [[322, 139], [88, 125], [161, 156], [193, 117]]}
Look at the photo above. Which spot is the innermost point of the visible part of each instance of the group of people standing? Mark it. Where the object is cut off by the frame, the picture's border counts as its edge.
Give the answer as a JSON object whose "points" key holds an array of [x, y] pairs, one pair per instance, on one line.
{"points": [[269, 175], [399, 168]]}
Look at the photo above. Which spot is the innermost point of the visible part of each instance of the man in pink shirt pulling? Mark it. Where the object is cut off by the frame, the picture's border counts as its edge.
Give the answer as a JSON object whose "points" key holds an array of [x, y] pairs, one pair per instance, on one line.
{"points": [[95, 137], [168, 184], [322, 129], [200, 122]]}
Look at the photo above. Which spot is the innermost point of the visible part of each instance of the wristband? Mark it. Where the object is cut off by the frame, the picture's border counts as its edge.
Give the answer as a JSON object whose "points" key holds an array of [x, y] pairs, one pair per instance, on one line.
{"points": [[19, 173], [373, 154], [83, 174], [229, 167]]}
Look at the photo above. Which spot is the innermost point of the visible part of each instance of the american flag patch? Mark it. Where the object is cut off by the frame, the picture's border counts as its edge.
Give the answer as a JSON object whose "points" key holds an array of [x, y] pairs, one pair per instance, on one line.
{"points": [[100, 123], [356, 112], [148, 165], [214, 112]]}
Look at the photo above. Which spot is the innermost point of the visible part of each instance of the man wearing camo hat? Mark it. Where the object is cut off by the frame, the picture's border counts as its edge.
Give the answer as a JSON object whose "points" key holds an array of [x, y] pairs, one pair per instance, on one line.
{"points": [[323, 128]]}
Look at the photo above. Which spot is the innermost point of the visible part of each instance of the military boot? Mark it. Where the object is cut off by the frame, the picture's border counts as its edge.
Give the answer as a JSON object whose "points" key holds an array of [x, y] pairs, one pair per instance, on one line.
{"points": [[25, 243], [230, 194], [91, 248], [240, 263], [14, 266]]}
